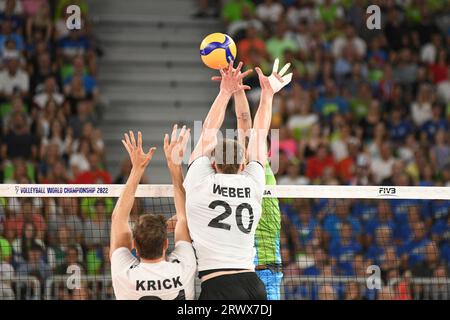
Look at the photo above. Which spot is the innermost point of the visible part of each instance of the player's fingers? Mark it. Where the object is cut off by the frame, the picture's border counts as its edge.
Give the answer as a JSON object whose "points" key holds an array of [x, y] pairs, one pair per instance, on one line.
{"points": [[259, 72], [127, 139], [230, 67], [245, 87], [173, 138], [239, 67], [139, 140], [216, 78], [186, 137], [222, 72], [287, 78], [166, 141], [125, 145], [150, 153], [133, 140], [244, 74], [284, 69], [279, 78], [275, 65], [182, 132]]}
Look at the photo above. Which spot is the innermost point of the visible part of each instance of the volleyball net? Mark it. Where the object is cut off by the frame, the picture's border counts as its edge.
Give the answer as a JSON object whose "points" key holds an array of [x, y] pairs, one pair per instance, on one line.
{"points": [[335, 242]]}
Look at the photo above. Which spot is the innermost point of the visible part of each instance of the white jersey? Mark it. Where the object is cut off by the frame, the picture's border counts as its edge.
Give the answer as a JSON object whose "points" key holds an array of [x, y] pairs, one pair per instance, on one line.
{"points": [[223, 211], [166, 280]]}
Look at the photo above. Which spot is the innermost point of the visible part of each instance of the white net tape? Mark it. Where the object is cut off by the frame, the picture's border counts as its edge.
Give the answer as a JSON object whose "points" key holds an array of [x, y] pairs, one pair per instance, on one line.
{"points": [[291, 191]]}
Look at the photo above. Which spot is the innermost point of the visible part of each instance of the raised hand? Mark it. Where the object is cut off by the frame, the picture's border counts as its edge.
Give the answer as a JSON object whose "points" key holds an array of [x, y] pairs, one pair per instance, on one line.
{"points": [[174, 150], [231, 79], [276, 81], [139, 159]]}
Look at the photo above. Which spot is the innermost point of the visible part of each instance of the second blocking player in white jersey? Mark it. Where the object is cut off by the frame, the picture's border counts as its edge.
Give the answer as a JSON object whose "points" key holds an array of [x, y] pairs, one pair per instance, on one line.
{"points": [[223, 195], [150, 275]]}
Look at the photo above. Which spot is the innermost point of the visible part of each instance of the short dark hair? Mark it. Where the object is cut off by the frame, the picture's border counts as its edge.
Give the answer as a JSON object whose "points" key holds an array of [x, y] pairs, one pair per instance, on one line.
{"points": [[150, 234]]}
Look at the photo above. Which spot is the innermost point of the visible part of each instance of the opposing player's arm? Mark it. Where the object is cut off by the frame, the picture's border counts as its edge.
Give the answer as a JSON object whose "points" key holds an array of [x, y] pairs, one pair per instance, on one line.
{"points": [[229, 84], [121, 235], [174, 151], [257, 146]]}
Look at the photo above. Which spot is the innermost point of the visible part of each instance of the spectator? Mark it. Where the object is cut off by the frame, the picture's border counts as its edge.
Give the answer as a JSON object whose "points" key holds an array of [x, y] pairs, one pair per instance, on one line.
{"points": [[349, 40], [334, 221], [327, 292], [430, 50], [75, 43], [439, 69], [71, 260], [27, 242], [79, 70], [436, 123], [12, 12], [83, 116], [8, 33], [19, 142], [269, 11], [58, 251], [95, 174], [67, 216], [329, 12], [413, 251], [381, 167], [440, 152], [232, 10], [40, 22], [441, 291], [316, 165], [7, 274], [97, 227], [125, 170], [421, 108], [50, 92], [352, 291], [78, 160], [280, 42], [293, 176], [302, 119], [35, 264], [427, 267], [13, 80], [251, 43], [383, 239], [331, 102]]}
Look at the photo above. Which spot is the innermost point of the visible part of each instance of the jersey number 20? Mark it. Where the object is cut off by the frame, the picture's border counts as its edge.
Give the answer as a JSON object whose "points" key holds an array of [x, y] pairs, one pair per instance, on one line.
{"points": [[216, 222]]}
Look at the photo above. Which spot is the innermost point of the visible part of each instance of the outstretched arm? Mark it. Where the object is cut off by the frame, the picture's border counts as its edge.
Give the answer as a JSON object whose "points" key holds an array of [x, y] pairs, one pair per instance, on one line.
{"points": [[229, 84], [121, 235], [257, 146], [174, 151], [242, 110], [243, 116]]}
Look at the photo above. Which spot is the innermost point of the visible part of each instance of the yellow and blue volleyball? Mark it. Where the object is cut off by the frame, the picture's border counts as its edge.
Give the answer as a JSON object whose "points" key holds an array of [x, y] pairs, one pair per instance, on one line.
{"points": [[217, 50]]}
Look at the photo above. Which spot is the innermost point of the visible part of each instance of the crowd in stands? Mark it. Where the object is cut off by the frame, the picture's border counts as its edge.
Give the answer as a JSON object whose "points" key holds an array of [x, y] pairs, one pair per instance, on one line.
{"points": [[49, 102], [365, 107]]}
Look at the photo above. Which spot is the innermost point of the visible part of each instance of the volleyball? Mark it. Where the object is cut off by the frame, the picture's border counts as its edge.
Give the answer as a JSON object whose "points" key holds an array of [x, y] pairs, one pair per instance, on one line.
{"points": [[217, 50]]}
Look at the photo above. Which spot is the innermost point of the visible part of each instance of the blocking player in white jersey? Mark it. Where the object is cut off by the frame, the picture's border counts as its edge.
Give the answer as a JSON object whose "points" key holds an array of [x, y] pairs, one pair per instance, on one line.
{"points": [[150, 275], [223, 194]]}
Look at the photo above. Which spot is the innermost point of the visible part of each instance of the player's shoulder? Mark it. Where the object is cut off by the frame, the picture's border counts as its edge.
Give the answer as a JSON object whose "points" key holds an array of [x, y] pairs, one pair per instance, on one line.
{"points": [[198, 170], [256, 171], [183, 253]]}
